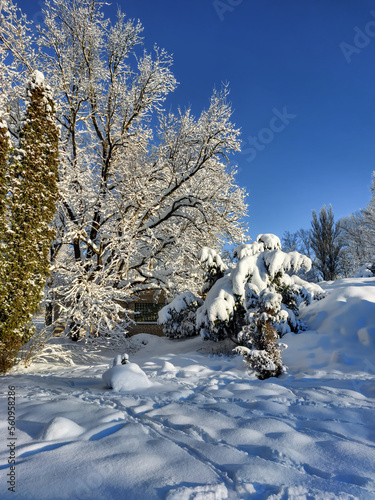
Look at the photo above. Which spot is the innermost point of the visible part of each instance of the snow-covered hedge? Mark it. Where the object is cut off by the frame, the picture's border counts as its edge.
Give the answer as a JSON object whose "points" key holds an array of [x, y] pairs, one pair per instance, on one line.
{"points": [[178, 317]]}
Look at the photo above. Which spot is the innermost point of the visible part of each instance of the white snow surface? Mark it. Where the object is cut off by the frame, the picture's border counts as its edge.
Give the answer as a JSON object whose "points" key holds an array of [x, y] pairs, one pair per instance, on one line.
{"points": [[38, 77], [128, 377], [270, 241], [219, 303], [204, 428]]}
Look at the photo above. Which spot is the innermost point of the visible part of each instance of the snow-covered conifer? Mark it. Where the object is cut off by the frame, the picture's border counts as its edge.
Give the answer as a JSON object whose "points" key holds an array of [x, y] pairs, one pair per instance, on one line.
{"points": [[31, 183], [259, 336], [257, 302]]}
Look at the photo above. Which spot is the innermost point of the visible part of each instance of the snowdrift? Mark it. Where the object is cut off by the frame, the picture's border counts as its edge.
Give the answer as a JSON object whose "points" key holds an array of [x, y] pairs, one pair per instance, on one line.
{"points": [[342, 330]]}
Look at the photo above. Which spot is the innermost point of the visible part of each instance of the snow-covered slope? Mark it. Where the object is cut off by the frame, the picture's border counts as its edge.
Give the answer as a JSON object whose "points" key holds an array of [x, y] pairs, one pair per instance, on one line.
{"points": [[200, 427], [343, 329]]}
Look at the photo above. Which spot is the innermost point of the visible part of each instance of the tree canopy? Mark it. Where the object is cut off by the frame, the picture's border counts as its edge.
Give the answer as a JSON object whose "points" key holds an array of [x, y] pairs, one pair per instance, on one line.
{"points": [[141, 190]]}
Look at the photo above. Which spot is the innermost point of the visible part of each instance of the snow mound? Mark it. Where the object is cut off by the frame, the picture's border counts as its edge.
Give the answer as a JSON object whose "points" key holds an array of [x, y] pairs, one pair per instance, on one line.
{"points": [[206, 492], [128, 377], [60, 428], [343, 328], [364, 272]]}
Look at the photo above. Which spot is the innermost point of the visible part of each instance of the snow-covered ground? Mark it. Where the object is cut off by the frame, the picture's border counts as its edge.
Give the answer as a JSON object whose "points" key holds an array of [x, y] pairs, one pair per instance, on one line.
{"points": [[198, 426]]}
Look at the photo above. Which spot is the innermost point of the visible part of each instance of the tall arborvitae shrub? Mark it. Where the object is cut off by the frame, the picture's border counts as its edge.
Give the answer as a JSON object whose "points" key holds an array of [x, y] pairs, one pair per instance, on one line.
{"points": [[31, 175], [5, 151]]}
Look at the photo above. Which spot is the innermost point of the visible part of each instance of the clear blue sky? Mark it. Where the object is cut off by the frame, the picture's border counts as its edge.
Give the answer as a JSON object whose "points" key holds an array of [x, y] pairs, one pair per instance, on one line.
{"points": [[279, 57]]}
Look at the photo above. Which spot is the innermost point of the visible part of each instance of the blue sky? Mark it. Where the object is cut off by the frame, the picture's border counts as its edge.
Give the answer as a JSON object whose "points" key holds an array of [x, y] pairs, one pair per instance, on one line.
{"points": [[311, 62]]}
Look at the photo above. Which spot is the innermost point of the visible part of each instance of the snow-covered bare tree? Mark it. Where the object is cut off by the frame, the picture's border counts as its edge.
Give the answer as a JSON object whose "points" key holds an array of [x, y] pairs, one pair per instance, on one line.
{"points": [[358, 238], [356, 251], [290, 241], [141, 190], [367, 230], [300, 241]]}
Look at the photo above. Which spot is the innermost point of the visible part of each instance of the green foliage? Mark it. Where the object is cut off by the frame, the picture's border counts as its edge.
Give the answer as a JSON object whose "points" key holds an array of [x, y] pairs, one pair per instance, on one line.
{"points": [[264, 356], [29, 175], [211, 276], [259, 336]]}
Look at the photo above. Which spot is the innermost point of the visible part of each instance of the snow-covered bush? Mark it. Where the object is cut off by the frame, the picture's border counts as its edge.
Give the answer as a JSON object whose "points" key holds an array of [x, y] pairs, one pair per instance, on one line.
{"points": [[214, 267], [178, 318], [221, 314], [256, 303], [120, 359], [366, 271]]}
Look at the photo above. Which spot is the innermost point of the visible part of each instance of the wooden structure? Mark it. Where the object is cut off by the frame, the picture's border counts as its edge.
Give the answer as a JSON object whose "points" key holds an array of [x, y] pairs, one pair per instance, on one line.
{"points": [[145, 314]]}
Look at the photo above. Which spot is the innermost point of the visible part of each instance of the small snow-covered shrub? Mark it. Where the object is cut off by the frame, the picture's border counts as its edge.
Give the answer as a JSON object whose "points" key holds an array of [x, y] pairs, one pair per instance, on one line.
{"points": [[259, 336], [366, 271], [120, 359], [178, 318]]}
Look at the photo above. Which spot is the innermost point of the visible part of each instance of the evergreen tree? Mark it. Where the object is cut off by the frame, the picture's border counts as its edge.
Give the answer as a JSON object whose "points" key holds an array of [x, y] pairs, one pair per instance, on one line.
{"points": [[5, 151], [29, 181], [326, 243], [259, 336]]}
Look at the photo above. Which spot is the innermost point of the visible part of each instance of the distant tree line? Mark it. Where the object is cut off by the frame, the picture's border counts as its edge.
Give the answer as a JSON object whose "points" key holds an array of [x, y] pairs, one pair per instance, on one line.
{"points": [[337, 249]]}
